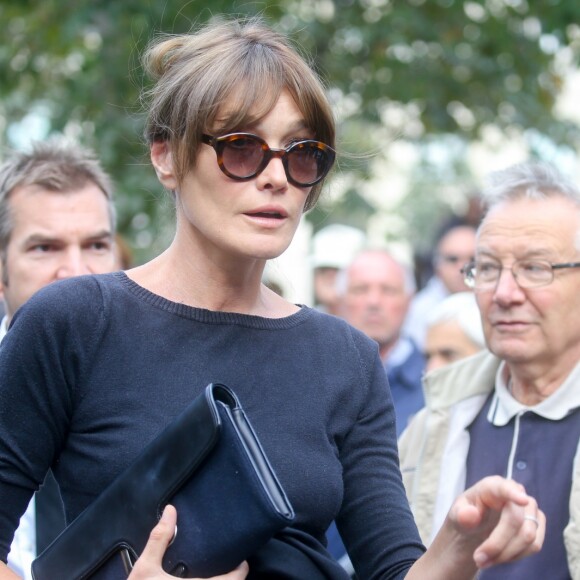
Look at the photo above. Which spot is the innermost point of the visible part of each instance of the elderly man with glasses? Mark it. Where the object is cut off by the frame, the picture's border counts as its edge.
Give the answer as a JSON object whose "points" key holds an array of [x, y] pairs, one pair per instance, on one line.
{"points": [[515, 411]]}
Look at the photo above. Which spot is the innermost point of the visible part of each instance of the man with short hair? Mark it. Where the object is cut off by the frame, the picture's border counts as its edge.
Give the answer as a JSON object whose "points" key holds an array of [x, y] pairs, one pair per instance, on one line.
{"points": [[57, 220], [516, 412], [375, 290]]}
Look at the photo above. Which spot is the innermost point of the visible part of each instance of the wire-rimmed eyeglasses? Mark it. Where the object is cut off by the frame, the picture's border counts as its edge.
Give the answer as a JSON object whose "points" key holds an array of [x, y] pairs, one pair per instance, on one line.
{"points": [[242, 156], [484, 274]]}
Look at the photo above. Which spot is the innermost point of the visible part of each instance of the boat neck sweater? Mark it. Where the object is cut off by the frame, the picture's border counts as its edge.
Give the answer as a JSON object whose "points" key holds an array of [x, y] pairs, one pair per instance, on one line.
{"points": [[93, 368]]}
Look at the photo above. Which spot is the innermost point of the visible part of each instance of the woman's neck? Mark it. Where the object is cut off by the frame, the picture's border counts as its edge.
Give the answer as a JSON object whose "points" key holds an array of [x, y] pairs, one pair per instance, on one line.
{"points": [[202, 283]]}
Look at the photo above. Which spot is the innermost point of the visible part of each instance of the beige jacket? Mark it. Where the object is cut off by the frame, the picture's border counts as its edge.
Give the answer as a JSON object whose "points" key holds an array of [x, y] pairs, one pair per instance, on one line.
{"points": [[433, 448]]}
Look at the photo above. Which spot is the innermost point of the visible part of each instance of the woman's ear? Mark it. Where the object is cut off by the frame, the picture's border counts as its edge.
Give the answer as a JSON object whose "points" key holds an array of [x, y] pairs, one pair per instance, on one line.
{"points": [[162, 160]]}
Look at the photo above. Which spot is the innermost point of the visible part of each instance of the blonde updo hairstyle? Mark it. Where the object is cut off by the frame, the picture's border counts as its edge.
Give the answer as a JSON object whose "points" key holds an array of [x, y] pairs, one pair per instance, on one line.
{"points": [[224, 77]]}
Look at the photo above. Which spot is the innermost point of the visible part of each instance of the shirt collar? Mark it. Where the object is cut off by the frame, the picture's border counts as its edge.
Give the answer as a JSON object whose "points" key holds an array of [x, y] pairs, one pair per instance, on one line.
{"points": [[555, 407], [400, 353]]}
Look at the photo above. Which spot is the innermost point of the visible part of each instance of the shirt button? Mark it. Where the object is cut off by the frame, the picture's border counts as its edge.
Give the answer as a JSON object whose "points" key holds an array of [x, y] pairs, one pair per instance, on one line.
{"points": [[521, 465]]}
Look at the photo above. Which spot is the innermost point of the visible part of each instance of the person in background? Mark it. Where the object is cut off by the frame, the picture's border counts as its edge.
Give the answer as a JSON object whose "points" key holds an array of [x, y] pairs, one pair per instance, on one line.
{"points": [[515, 412], [57, 220], [375, 290], [454, 331], [332, 249], [454, 248], [470, 216], [241, 135]]}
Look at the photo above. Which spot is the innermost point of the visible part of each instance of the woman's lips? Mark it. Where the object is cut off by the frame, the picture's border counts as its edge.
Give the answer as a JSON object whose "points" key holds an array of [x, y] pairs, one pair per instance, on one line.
{"points": [[268, 216], [273, 215]]}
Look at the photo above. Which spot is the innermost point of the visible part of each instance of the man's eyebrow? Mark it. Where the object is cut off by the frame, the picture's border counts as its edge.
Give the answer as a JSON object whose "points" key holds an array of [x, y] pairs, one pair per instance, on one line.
{"points": [[48, 238], [99, 235], [41, 238]]}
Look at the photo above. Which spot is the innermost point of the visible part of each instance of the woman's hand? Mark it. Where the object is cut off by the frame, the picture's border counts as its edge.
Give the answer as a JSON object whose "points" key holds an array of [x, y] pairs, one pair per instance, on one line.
{"points": [[148, 566], [493, 522], [501, 518]]}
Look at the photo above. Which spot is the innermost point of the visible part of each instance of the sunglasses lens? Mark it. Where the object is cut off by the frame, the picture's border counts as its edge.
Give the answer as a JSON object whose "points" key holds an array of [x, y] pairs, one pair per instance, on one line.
{"points": [[309, 162], [242, 155]]}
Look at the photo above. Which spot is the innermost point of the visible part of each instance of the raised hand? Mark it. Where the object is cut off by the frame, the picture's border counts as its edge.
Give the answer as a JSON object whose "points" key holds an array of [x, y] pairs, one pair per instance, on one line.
{"points": [[501, 518], [493, 522]]}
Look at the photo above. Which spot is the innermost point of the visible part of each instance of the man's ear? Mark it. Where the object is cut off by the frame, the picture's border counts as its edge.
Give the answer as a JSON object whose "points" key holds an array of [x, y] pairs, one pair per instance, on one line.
{"points": [[162, 160]]}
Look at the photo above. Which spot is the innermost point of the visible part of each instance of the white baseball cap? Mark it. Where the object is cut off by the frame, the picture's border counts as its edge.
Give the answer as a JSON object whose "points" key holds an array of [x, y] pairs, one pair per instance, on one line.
{"points": [[336, 245]]}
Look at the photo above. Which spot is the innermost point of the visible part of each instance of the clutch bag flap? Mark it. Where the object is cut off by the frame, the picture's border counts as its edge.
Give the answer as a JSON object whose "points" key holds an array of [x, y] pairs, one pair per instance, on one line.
{"points": [[211, 466]]}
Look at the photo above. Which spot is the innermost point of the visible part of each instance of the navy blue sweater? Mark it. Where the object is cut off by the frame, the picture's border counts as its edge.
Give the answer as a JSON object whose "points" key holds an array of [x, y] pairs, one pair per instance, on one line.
{"points": [[94, 367]]}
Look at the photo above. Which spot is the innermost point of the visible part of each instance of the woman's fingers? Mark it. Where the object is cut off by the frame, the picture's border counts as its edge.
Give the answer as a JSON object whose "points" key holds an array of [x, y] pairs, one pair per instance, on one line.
{"points": [[502, 520], [148, 566], [478, 509], [519, 532], [161, 535]]}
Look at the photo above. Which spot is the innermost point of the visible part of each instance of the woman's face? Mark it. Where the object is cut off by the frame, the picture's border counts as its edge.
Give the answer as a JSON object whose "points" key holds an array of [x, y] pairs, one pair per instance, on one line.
{"points": [[445, 343], [253, 219]]}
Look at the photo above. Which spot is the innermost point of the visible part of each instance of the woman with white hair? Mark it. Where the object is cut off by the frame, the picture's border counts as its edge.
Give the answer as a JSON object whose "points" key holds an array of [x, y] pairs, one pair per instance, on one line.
{"points": [[454, 331]]}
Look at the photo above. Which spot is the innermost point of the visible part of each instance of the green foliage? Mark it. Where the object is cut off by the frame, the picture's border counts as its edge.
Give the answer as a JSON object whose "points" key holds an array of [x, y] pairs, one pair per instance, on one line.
{"points": [[413, 69]]}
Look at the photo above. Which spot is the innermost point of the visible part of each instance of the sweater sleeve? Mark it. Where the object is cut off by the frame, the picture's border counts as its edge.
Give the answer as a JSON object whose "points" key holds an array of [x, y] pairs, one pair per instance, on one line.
{"points": [[39, 365], [375, 520]]}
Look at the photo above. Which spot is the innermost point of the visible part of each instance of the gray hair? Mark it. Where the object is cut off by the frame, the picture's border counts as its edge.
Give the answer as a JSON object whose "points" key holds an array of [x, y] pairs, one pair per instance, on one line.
{"points": [[531, 180], [461, 308], [409, 283], [56, 164]]}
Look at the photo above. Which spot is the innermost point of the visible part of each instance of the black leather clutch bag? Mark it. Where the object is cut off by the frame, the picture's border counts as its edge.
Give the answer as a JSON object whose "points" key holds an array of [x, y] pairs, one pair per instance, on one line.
{"points": [[209, 464]]}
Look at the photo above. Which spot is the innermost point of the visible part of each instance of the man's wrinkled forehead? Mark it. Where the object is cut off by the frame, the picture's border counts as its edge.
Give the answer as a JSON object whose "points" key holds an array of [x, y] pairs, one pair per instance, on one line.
{"points": [[531, 225]]}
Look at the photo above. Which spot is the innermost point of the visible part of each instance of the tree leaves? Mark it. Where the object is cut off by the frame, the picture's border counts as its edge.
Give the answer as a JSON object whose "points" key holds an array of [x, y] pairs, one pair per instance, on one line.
{"points": [[413, 69]]}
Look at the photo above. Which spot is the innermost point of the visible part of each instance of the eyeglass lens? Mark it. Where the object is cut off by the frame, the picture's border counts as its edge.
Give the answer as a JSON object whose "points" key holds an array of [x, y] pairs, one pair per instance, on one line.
{"points": [[527, 274]]}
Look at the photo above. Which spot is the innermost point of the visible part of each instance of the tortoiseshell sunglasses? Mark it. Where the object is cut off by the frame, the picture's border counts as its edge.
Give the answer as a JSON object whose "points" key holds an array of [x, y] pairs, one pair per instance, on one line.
{"points": [[242, 156]]}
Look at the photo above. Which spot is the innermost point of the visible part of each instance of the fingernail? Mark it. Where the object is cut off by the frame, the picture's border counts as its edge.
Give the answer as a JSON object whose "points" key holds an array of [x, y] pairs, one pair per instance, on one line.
{"points": [[164, 514], [481, 559]]}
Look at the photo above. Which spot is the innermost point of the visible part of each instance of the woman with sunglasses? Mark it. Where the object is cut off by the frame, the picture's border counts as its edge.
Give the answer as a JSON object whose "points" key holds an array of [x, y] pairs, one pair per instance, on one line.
{"points": [[242, 135]]}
